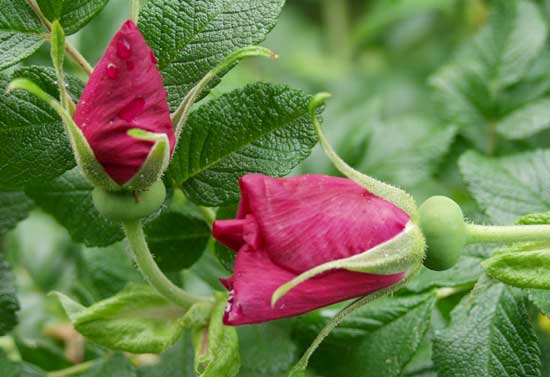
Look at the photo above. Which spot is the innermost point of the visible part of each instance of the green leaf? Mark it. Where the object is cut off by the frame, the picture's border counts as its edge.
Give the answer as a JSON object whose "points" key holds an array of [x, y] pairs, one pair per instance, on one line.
{"points": [[11, 368], [177, 361], [412, 156], [535, 219], [216, 346], [190, 38], [20, 32], [522, 265], [8, 299], [73, 15], [177, 239], [527, 120], [379, 339], [136, 320], [115, 365], [267, 349], [69, 199], [14, 207], [541, 299], [489, 335], [508, 187], [263, 128], [35, 146]]}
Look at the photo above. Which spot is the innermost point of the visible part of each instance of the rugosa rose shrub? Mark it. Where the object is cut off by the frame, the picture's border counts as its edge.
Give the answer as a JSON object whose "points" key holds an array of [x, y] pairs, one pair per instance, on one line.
{"points": [[287, 226]]}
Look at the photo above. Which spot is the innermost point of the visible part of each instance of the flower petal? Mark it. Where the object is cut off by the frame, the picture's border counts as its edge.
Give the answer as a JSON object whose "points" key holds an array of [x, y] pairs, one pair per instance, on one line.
{"points": [[309, 220], [125, 91], [257, 277]]}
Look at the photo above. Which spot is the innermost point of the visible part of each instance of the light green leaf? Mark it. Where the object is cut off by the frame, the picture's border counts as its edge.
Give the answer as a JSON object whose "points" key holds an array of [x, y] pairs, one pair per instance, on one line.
{"points": [[522, 265], [136, 320], [192, 37], [8, 299], [216, 346], [508, 187], [417, 146], [21, 33], [489, 335], [263, 128], [73, 15], [526, 121], [14, 207], [541, 299], [69, 199], [177, 239]]}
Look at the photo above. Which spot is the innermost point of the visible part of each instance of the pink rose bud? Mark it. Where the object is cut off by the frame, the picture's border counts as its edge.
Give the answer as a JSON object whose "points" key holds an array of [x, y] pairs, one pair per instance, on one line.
{"points": [[290, 226], [124, 92]]}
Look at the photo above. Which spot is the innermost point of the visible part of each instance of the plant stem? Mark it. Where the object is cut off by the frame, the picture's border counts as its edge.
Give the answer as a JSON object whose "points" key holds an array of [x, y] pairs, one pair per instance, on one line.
{"points": [[78, 58], [134, 10], [150, 270], [507, 234], [36, 9], [76, 369]]}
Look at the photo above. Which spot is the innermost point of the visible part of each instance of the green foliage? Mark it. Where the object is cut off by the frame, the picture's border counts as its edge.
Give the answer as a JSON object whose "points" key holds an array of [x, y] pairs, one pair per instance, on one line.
{"points": [[263, 128], [73, 15], [218, 27], [136, 320], [20, 32], [115, 365], [69, 199], [8, 299], [488, 336], [14, 207], [508, 187]]}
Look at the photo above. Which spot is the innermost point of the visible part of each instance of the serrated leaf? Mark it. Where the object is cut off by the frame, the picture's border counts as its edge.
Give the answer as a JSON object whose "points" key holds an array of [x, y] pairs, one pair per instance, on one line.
{"points": [[541, 299], [263, 128], [14, 207], [508, 187], [488, 336], [136, 320], [73, 15], [192, 37], [20, 32], [526, 121], [68, 198], [35, 147], [379, 339], [9, 306], [176, 239], [416, 147]]}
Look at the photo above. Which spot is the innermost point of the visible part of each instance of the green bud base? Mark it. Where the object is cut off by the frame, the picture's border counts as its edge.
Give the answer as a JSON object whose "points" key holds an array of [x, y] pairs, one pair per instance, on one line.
{"points": [[125, 206]]}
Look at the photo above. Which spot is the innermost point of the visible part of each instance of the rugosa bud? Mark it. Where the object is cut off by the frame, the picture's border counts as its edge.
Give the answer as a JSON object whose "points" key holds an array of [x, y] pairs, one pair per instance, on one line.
{"points": [[124, 116], [310, 241]]}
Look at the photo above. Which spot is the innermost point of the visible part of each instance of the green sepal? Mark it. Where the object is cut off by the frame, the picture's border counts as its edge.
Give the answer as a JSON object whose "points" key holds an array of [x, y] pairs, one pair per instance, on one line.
{"points": [[125, 206], [401, 254], [523, 265], [84, 156], [216, 345], [137, 320], [154, 165]]}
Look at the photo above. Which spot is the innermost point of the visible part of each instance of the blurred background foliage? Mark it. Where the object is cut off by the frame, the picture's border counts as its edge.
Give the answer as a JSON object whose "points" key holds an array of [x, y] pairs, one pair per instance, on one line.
{"points": [[411, 92]]}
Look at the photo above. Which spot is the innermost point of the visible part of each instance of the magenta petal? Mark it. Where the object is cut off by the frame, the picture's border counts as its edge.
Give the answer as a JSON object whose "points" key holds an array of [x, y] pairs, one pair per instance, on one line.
{"points": [[236, 232], [257, 277], [309, 220], [125, 91]]}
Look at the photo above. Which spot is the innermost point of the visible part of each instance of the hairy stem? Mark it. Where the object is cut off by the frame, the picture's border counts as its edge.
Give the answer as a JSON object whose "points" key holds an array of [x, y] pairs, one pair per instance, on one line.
{"points": [[150, 270], [36, 9], [507, 234]]}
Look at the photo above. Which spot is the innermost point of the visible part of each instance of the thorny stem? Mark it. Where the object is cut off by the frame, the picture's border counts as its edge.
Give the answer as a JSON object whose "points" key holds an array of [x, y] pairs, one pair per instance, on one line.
{"points": [[150, 270], [507, 234], [73, 52]]}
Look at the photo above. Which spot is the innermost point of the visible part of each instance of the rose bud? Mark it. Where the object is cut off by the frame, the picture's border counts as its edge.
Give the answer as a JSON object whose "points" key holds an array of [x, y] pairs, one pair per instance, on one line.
{"points": [[124, 115], [310, 241]]}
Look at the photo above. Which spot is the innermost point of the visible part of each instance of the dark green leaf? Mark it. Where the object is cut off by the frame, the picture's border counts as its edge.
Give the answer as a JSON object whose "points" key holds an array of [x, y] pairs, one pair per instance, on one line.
{"points": [[116, 365], [14, 207], [177, 239], [225, 255], [489, 335], [263, 128], [177, 361], [20, 32], [42, 353], [192, 37], [8, 299], [136, 320], [72, 14], [508, 187], [69, 199]]}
